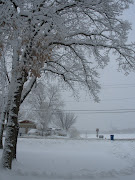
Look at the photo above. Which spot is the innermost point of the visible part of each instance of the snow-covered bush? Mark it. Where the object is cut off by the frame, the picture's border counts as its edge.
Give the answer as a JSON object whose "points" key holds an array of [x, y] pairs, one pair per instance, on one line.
{"points": [[62, 133], [33, 132], [74, 133]]}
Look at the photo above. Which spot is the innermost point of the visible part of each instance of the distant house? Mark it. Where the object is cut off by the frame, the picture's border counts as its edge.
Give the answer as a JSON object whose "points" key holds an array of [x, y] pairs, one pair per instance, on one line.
{"points": [[25, 126]]}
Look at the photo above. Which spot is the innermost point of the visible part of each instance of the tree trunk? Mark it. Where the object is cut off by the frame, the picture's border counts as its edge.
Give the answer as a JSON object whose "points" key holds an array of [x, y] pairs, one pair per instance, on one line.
{"points": [[15, 141], [16, 88], [4, 115], [5, 112], [4, 100], [1, 135]]}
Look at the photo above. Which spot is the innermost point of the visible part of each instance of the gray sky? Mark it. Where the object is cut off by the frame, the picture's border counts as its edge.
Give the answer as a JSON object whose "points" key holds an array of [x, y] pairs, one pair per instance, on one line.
{"points": [[117, 92]]}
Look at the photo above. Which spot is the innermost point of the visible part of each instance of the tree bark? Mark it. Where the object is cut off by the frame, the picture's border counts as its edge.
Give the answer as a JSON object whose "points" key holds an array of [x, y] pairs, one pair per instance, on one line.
{"points": [[1, 135], [2, 121], [3, 114], [15, 141], [17, 83]]}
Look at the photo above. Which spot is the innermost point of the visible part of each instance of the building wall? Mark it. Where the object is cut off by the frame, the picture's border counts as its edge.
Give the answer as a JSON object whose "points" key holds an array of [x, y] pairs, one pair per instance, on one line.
{"points": [[25, 126]]}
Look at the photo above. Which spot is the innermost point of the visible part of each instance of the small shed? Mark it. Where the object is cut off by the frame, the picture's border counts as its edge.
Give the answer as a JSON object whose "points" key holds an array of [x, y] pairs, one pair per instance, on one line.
{"points": [[26, 125]]}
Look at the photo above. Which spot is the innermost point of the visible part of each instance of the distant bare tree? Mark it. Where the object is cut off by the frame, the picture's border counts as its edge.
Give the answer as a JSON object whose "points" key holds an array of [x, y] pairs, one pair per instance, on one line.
{"points": [[65, 120], [43, 102]]}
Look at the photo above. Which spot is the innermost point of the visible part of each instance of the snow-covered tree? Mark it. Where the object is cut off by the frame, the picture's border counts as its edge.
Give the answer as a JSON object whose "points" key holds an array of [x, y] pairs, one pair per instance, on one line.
{"points": [[4, 81], [68, 38], [65, 120], [43, 101]]}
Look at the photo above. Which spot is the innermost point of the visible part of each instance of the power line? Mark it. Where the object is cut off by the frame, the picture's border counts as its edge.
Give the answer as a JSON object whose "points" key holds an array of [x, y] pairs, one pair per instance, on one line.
{"points": [[118, 99], [105, 86], [83, 111], [123, 112], [101, 110], [118, 84], [131, 98], [123, 109], [117, 87]]}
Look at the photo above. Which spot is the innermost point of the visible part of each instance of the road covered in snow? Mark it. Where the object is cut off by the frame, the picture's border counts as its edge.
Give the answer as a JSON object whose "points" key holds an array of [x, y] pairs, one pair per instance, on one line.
{"points": [[58, 159]]}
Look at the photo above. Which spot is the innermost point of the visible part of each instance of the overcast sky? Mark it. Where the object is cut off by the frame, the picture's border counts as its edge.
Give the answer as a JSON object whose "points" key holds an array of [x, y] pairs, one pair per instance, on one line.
{"points": [[117, 93]]}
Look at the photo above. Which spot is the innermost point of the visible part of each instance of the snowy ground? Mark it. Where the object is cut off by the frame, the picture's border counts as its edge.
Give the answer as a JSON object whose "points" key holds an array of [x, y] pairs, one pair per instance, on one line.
{"points": [[58, 159], [107, 136]]}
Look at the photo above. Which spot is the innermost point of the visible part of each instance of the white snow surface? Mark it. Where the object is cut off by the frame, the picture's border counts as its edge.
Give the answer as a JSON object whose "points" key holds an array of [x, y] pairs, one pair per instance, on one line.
{"points": [[107, 136], [80, 159]]}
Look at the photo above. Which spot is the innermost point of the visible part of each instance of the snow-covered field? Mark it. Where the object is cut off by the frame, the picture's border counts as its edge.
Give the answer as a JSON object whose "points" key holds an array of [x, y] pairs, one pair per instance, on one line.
{"points": [[58, 159], [107, 136]]}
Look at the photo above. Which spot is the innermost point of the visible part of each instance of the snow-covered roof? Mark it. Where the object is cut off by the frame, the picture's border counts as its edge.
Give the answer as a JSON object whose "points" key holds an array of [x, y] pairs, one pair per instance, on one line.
{"points": [[26, 121]]}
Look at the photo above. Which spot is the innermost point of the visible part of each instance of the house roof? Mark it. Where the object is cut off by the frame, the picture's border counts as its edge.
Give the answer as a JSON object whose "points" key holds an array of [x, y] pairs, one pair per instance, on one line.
{"points": [[26, 121]]}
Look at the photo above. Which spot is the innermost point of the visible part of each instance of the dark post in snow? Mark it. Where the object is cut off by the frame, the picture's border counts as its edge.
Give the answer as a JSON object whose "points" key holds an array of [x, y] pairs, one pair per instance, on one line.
{"points": [[97, 131]]}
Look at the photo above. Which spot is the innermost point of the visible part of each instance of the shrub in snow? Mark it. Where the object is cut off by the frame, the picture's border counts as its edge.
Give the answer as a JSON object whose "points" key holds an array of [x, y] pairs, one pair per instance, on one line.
{"points": [[39, 126], [74, 133], [62, 133], [101, 136], [47, 133], [33, 132]]}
